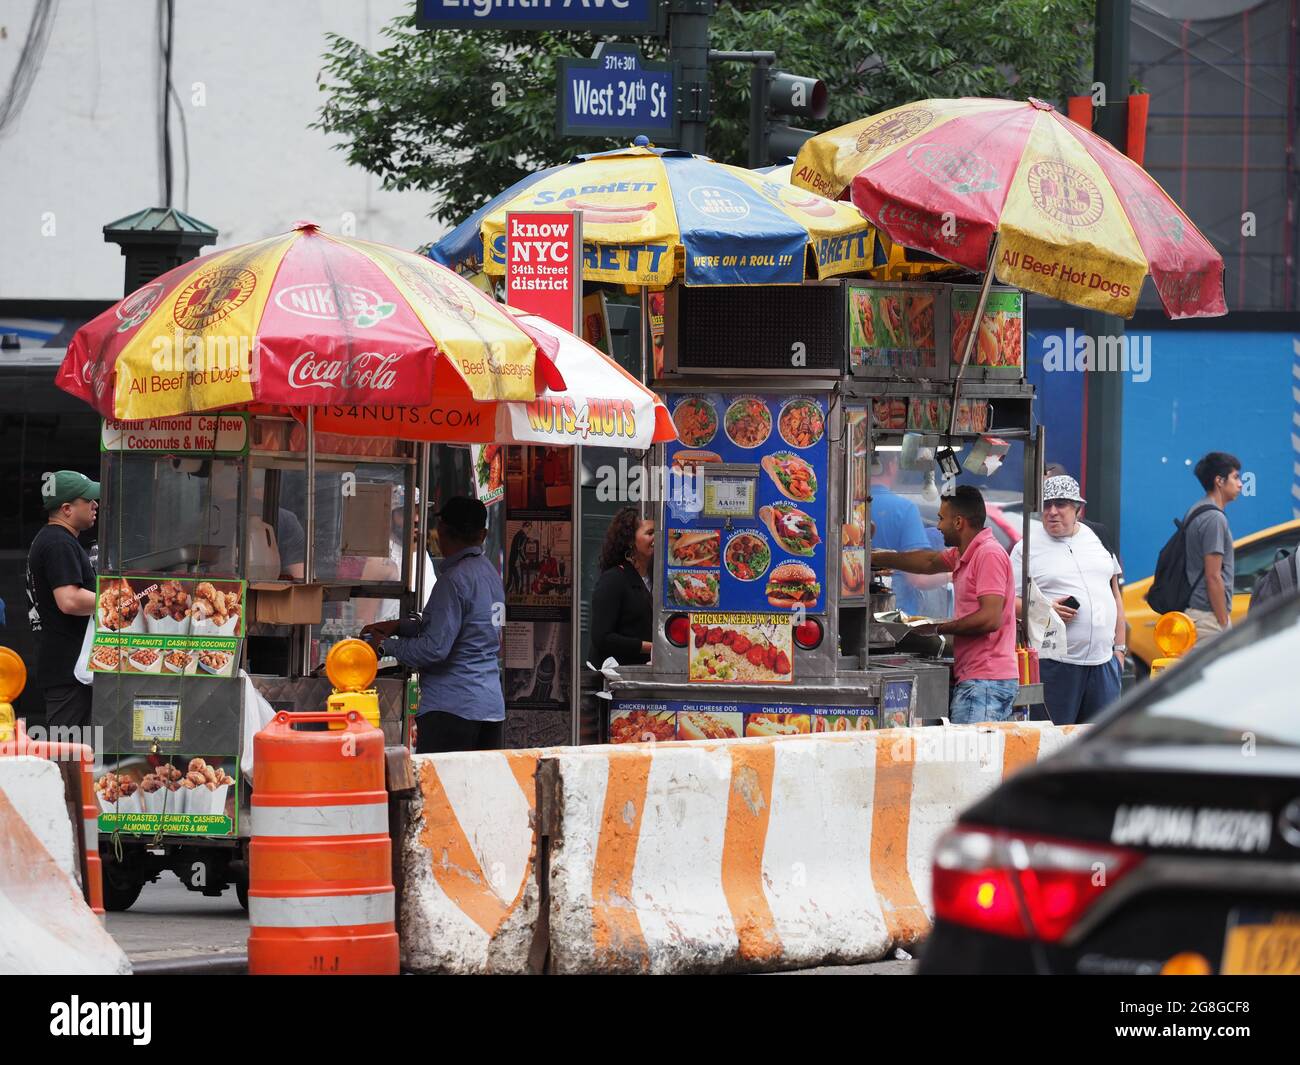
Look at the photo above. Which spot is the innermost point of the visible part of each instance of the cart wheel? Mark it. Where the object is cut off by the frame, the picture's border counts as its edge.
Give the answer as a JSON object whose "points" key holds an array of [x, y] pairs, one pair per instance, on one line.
{"points": [[120, 888], [241, 893]]}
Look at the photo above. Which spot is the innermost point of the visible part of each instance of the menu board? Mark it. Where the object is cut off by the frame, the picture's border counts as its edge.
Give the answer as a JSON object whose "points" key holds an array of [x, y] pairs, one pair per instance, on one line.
{"points": [[181, 795], [892, 330], [734, 548], [1000, 346], [662, 720], [168, 626]]}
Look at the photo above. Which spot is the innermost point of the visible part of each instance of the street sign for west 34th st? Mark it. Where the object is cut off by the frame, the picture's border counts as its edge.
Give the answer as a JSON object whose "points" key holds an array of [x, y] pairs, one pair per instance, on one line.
{"points": [[593, 16], [616, 93]]}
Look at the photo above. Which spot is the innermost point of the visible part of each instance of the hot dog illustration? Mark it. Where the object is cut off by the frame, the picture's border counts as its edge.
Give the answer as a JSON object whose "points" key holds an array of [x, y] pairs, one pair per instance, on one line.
{"points": [[610, 214], [817, 206]]}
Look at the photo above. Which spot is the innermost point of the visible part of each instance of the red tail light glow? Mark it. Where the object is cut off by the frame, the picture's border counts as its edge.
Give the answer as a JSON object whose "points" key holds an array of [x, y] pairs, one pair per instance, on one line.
{"points": [[1020, 885]]}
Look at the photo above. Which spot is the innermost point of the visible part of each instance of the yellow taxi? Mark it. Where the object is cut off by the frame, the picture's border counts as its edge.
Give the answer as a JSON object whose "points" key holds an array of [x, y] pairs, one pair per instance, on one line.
{"points": [[1253, 554]]}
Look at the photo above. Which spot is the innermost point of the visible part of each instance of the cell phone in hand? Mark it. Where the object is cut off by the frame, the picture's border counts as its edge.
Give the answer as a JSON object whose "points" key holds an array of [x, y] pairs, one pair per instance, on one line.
{"points": [[1071, 602]]}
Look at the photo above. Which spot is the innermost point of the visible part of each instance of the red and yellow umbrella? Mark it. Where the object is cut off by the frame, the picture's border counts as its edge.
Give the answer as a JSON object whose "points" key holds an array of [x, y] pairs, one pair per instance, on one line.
{"points": [[305, 319], [1073, 218], [603, 405]]}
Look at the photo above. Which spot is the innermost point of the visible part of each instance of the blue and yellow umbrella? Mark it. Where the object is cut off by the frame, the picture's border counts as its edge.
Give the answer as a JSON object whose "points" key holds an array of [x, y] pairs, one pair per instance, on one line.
{"points": [[652, 215]]}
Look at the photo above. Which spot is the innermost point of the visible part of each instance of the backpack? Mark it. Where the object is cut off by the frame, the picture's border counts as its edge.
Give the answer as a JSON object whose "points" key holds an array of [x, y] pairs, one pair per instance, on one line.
{"points": [[1170, 589], [1277, 582]]}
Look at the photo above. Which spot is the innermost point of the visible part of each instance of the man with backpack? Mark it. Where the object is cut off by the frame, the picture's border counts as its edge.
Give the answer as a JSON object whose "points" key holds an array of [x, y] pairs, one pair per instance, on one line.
{"points": [[1195, 568]]}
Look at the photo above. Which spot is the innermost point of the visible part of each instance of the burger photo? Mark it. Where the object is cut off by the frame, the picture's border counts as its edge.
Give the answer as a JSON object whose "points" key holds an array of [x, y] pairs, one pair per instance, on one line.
{"points": [[793, 584]]}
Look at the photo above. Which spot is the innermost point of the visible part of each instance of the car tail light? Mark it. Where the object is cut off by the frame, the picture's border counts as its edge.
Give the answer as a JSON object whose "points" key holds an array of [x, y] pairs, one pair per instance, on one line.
{"points": [[678, 629], [1018, 885], [808, 634]]}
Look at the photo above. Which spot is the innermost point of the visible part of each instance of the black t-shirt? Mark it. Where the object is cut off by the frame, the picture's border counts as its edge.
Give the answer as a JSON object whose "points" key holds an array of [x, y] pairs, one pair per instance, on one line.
{"points": [[55, 560]]}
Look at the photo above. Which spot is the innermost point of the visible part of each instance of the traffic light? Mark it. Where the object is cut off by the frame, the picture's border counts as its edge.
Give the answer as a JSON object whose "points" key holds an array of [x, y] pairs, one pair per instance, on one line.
{"points": [[776, 92]]}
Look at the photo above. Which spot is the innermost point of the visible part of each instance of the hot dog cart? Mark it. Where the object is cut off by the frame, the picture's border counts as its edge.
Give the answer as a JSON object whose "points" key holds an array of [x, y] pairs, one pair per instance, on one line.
{"points": [[204, 626], [767, 618]]}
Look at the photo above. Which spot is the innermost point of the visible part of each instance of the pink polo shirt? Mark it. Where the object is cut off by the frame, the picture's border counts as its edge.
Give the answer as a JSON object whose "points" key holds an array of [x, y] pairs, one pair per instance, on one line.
{"points": [[985, 569]]}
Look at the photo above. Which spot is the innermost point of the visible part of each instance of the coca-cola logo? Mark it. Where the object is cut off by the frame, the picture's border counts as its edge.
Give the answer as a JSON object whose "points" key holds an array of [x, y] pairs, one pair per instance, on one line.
{"points": [[896, 218], [956, 169], [138, 306], [438, 292], [894, 128], [368, 369], [1180, 288]]}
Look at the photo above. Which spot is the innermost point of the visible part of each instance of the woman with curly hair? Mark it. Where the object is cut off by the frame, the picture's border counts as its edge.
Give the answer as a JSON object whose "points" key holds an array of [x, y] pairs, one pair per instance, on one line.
{"points": [[622, 606]]}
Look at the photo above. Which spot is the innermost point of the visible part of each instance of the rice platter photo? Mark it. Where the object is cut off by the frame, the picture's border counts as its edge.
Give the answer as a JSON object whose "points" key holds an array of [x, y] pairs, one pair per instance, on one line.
{"points": [[696, 421], [802, 423], [748, 422]]}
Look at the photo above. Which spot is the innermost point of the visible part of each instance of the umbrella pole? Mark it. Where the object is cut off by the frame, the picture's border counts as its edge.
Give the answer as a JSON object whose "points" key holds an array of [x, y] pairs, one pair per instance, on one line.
{"points": [[645, 336], [309, 530], [973, 337]]}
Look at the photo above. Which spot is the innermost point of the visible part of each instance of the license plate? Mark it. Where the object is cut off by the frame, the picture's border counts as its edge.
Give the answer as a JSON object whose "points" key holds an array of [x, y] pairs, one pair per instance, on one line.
{"points": [[1262, 943]]}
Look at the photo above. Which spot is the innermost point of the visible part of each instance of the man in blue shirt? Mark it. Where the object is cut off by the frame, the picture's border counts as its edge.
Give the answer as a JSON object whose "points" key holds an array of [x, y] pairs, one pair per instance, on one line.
{"points": [[898, 527], [456, 642]]}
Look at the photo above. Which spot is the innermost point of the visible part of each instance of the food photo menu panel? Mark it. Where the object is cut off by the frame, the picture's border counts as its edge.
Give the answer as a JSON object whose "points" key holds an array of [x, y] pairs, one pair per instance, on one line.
{"points": [[168, 626], [752, 541]]}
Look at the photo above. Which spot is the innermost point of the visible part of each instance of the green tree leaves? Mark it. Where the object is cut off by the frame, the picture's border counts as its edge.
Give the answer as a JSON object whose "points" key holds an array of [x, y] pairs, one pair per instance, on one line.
{"points": [[464, 115]]}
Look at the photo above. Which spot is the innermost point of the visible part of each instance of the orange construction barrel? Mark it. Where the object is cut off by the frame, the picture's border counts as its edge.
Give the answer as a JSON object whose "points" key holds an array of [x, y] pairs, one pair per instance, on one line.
{"points": [[320, 884]]}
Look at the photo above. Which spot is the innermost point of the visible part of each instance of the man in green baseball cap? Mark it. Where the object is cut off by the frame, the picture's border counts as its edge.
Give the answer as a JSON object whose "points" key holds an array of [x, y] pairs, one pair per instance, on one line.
{"points": [[61, 587]]}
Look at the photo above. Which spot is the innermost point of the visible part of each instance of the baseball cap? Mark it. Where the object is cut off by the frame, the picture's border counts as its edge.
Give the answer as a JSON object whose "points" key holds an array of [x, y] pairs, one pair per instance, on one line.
{"points": [[69, 485], [464, 515], [1062, 488]]}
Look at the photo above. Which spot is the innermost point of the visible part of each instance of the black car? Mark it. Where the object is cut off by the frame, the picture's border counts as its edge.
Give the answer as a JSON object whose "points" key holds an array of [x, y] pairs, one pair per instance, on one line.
{"points": [[1166, 839]]}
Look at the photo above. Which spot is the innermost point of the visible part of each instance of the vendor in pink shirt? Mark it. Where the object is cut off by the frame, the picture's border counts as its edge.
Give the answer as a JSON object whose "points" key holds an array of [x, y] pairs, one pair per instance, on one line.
{"points": [[984, 630]]}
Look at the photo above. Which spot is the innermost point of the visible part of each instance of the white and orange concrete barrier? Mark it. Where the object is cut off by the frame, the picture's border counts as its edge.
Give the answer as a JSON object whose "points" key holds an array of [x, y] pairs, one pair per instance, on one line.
{"points": [[471, 897], [758, 854], [46, 927]]}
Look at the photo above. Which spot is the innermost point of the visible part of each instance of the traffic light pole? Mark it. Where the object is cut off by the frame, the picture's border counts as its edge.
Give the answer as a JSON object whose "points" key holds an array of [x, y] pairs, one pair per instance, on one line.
{"points": [[1104, 422], [759, 98], [688, 44]]}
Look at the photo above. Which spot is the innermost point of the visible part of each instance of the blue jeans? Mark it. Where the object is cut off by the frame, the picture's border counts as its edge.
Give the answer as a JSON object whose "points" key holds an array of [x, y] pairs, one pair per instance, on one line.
{"points": [[982, 700], [1078, 693]]}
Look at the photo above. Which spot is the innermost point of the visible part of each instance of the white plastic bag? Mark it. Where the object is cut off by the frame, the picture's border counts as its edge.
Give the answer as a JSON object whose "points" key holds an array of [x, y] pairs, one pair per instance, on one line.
{"points": [[82, 669], [257, 715], [1046, 629]]}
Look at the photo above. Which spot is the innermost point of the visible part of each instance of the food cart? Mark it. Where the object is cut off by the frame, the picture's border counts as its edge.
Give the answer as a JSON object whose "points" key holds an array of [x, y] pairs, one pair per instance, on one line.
{"points": [[267, 446], [204, 625], [767, 619]]}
